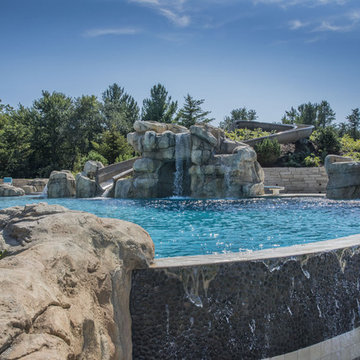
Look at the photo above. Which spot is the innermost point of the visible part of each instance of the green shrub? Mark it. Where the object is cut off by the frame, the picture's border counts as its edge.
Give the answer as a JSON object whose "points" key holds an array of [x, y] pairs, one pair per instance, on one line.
{"points": [[268, 151], [354, 155], [246, 134], [327, 141], [312, 161], [92, 155], [2, 254], [349, 145]]}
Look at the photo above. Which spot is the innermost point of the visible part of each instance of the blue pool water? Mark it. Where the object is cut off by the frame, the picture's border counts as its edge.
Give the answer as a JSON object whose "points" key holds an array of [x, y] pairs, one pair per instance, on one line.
{"points": [[193, 227]]}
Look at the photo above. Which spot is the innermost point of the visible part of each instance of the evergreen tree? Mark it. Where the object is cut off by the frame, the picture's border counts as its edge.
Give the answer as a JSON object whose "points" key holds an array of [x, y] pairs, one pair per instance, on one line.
{"points": [[354, 122], [84, 126], [120, 109], [290, 116], [49, 119], [240, 114], [15, 147], [319, 115], [113, 147], [191, 113], [159, 106], [325, 114]]}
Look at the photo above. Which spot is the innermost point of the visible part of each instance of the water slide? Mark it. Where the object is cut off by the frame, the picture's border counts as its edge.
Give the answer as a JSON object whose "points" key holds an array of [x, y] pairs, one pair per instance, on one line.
{"points": [[285, 134], [108, 175]]}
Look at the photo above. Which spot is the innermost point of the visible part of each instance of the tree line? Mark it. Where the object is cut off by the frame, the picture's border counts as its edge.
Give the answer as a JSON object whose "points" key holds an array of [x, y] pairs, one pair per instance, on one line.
{"points": [[60, 132]]}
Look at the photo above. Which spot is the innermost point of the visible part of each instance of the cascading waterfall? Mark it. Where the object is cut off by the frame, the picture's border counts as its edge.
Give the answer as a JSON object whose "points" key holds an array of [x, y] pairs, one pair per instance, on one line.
{"points": [[182, 149], [44, 192], [227, 180]]}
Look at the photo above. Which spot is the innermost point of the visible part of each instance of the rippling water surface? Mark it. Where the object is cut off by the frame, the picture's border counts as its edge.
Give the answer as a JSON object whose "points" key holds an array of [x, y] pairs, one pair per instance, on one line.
{"points": [[193, 227]]}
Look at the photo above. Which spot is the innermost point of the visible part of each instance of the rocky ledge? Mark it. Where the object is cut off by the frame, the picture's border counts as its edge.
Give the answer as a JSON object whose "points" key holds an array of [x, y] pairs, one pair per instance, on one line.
{"points": [[65, 283], [9, 190], [344, 178]]}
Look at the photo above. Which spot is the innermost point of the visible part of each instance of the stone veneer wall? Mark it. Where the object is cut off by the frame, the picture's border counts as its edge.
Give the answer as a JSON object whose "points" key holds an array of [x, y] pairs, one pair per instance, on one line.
{"points": [[250, 306], [297, 180]]}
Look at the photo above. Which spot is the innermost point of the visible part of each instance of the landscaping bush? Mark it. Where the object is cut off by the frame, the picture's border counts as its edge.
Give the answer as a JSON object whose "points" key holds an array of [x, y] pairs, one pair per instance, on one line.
{"points": [[327, 141], [267, 151], [246, 134], [312, 161]]}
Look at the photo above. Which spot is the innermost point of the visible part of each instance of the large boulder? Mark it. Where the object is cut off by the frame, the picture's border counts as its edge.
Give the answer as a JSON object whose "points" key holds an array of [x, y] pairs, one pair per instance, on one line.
{"points": [[91, 167], [65, 283], [344, 177], [61, 184], [85, 187], [9, 190], [229, 175], [29, 189]]}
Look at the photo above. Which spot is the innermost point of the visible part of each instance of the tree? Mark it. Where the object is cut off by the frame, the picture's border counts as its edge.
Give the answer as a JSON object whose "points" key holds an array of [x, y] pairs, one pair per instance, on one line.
{"points": [[191, 113], [49, 118], [86, 123], [240, 114], [15, 147], [159, 106], [354, 122], [319, 115], [290, 116], [120, 109], [307, 114], [325, 114], [113, 147]]}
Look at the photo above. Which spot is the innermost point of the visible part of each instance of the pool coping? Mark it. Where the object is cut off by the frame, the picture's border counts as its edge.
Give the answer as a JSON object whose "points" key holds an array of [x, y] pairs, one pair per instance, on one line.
{"points": [[281, 252]]}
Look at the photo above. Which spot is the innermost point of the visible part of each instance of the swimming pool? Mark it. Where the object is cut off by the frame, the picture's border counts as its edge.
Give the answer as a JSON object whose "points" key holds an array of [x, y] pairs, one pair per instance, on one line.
{"points": [[181, 227]]}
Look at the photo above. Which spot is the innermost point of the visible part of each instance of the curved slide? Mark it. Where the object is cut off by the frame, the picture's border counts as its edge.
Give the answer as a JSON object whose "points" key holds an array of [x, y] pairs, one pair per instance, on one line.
{"points": [[108, 175], [285, 134]]}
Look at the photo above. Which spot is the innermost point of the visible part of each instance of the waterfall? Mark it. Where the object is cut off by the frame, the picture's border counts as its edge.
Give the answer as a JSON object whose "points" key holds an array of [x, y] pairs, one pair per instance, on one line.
{"points": [[44, 192], [227, 180], [182, 154]]}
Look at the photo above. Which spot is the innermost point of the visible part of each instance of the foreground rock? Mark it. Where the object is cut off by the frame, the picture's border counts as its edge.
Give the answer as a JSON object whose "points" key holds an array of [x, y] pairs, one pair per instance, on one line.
{"points": [[200, 162], [344, 178], [61, 184], [9, 190], [65, 283]]}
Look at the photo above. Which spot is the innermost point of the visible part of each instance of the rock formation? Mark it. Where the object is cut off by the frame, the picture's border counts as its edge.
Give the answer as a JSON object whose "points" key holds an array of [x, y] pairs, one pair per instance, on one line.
{"points": [[9, 190], [65, 283], [344, 177], [86, 186], [61, 184], [200, 162]]}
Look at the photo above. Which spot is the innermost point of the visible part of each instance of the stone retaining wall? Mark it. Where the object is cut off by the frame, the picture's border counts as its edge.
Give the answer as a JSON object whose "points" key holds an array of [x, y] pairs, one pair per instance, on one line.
{"points": [[306, 180], [250, 305]]}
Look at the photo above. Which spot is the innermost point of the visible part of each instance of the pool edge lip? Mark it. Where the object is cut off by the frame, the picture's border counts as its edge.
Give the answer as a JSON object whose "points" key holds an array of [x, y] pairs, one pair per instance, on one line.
{"points": [[258, 255]]}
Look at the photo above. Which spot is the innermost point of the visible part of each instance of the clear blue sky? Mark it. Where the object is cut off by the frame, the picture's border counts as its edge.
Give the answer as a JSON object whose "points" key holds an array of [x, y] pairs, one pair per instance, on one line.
{"points": [[267, 55]]}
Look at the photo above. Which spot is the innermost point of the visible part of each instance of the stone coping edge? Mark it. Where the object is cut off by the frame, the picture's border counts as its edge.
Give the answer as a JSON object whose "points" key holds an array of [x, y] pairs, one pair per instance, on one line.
{"points": [[274, 253]]}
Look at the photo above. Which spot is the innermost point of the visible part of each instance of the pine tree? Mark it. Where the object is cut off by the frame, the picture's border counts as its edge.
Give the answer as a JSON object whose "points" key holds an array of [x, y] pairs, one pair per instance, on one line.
{"points": [[159, 106], [240, 114], [191, 113], [354, 122], [119, 109]]}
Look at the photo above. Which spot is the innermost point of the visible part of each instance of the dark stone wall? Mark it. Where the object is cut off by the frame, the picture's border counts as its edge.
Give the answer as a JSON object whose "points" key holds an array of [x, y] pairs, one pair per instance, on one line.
{"points": [[244, 310]]}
